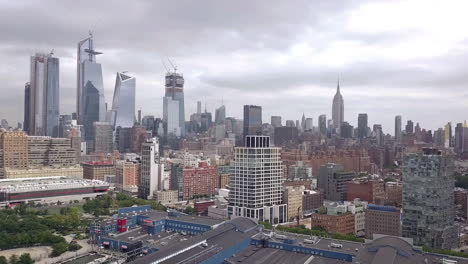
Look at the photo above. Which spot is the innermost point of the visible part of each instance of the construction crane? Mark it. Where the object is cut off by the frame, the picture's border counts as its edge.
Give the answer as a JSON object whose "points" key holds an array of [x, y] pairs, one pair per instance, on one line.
{"points": [[165, 66], [173, 65]]}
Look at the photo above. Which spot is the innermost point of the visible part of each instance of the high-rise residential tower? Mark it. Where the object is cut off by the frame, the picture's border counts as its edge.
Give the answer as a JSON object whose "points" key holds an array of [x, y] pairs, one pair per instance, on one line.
{"points": [[44, 96], [256, 186], [90, 104], [151, 169], [338, 108], [252, 120], [173, 105], [398, 128], [362, 125], [428, 199], [123, 104]]}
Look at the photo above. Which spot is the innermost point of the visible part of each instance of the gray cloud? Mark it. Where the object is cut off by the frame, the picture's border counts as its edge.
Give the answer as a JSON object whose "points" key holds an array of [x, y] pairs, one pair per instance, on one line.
{"points": [[285, 56]]}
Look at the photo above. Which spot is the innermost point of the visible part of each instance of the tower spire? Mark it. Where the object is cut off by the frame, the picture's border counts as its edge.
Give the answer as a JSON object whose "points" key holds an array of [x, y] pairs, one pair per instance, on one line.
{"points": [[338, 86]]}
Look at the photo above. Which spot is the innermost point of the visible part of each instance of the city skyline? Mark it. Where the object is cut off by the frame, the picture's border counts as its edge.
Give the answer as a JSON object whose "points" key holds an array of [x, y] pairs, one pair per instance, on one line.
{"points": [[407, 76]]}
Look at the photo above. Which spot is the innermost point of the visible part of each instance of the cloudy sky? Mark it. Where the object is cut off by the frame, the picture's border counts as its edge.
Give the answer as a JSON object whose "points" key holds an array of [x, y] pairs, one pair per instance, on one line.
{"points": [[392, 57]]}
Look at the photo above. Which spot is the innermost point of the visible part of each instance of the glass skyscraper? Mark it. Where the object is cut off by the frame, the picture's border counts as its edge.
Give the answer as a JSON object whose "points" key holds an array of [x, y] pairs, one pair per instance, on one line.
{"points": [[123, 104], [252, 120], [43, 96], [90, 88]]}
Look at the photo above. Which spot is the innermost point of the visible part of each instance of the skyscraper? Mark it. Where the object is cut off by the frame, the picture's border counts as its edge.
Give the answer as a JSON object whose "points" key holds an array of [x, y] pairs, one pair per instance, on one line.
{"points": [[276, 121], [90, 88], [173, 105], [378, 133], [198, 107], [123, 104], [256, 186], [27, 94], [252, 120], [398, 128], [409, 129], [338, 108], [44, 96], [303, 123], [220, 115], [448, 135], [151, 169], [309, 123], [428, 199], [322, 124], [362, 125]]}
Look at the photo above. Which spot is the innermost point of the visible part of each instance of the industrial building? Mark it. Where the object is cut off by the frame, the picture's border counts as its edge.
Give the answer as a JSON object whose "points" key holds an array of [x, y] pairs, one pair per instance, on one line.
{"points": [[48, 189], [142, 235]]}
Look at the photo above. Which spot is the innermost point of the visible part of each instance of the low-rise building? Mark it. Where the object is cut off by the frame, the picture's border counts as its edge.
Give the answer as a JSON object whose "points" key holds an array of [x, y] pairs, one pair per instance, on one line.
{"points": [[311, 200], [384, 220], [393, 193], [343, 223], [167, 197], [98, 170], [292, 196], [372, 191]]}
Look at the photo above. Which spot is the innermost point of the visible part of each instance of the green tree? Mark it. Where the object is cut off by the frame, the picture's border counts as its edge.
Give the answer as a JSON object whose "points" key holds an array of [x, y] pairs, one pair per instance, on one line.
{"points": [[25, 258], [59, 248], [73, 246], [13, 259], [3, 260], [189, 210]]}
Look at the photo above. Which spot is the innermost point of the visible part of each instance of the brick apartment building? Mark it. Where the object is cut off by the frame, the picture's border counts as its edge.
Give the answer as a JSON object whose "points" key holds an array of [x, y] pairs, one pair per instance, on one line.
{"points": [[200, 181]]}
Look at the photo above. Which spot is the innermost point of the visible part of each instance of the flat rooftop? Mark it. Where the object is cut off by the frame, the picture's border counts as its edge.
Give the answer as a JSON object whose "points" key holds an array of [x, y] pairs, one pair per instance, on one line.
{"points": [[43, 184], [203, 220], [258, 255]]}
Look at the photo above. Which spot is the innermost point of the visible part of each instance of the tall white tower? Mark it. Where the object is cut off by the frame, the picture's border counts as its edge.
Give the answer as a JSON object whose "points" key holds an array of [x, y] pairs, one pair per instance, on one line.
{"points": [[151, 169], [256, 187]]}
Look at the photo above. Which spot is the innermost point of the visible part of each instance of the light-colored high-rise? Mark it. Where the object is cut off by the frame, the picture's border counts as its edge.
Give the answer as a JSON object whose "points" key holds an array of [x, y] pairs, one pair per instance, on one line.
{"points": [[90, 87], [151, 169], [428, 199], [44, 96], [448, 135], [338, 108], [256, 186], [123, 104]]}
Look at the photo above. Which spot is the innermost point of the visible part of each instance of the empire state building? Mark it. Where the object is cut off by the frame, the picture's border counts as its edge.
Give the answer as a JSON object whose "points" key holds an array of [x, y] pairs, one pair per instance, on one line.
{"points": [[338, 108]]}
